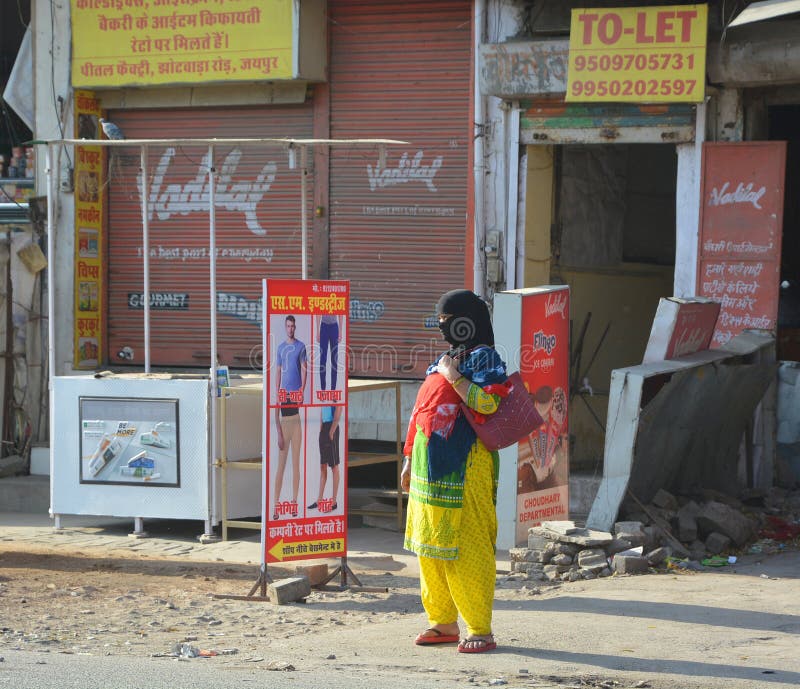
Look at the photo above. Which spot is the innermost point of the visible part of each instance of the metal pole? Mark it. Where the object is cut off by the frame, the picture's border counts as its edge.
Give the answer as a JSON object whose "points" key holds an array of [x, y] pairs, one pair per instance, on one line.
{"points": [[212, 243], [51, 347], [145, 258], [51, 307], [512, 204], [478, 163], [303, 212]]}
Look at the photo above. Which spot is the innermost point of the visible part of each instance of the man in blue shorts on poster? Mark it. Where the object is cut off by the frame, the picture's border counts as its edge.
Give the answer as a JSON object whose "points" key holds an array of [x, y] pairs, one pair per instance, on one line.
{"points": [[290, 385]]}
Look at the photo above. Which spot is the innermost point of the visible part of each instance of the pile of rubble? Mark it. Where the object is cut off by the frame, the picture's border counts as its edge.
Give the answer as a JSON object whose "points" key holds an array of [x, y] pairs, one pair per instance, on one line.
{"points": [[687, 532]]}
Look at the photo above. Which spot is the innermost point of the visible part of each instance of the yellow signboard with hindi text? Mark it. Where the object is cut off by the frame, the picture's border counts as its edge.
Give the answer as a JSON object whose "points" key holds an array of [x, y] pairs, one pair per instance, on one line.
{"points": [[89, 293], [158, 42], [638, 55]]}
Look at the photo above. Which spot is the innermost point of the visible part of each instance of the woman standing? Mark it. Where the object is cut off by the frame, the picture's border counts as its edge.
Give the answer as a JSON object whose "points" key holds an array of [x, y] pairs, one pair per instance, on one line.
{"points": [[451, 479]]}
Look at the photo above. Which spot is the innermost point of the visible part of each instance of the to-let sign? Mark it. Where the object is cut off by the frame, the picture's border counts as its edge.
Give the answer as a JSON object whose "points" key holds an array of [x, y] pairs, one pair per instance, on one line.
{"points": [[638, 54]]}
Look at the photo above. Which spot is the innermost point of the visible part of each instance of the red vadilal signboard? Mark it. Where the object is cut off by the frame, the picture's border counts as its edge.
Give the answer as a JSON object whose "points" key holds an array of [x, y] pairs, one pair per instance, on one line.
{"points": [[543, 456], [681, 327], [741, 219]]}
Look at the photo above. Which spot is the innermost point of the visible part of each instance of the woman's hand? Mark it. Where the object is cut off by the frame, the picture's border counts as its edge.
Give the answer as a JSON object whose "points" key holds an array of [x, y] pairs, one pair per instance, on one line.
{"points": [[447, 367], [405, 475]]}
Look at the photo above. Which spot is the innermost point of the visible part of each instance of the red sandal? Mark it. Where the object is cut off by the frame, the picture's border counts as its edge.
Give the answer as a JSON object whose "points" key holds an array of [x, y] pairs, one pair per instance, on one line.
{"points": [[486, 644], [437, 638]]}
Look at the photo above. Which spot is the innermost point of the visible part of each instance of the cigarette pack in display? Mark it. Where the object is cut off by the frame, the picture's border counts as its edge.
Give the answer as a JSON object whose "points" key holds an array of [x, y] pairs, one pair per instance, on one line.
{"points": [[108, 449], [139, 466], [154, 439]]}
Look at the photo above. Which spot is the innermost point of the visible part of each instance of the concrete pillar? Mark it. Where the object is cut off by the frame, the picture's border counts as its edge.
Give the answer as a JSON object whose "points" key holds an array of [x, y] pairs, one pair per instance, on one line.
{"points": [[687, 210]]}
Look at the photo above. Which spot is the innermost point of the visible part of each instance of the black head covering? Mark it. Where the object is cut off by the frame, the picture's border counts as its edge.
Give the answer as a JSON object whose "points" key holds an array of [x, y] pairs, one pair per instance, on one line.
{"points": [[470, 324]]}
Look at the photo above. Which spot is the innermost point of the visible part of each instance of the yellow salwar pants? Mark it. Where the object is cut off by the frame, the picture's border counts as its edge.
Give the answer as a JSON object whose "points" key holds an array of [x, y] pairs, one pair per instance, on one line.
{"points": [[465, 585]]}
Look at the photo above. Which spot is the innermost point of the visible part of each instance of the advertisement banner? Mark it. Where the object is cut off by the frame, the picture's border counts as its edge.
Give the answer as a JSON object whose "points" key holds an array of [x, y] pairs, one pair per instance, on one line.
{"points": [[543, 457], [129, 441], [741, 226], [638, 54], [89, 198], [139, 43], [305, 439], [681, 327]]}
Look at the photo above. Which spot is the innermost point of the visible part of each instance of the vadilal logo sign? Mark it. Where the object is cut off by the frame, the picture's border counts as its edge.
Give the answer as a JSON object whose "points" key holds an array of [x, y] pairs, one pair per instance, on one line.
{"points": [[638, 54], [192, 197], [148, 42], [407, 170]]}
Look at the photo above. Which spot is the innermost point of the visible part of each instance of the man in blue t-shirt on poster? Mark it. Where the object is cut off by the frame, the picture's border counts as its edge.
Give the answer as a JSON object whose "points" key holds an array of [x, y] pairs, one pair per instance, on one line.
{"points": [[290, 385]]}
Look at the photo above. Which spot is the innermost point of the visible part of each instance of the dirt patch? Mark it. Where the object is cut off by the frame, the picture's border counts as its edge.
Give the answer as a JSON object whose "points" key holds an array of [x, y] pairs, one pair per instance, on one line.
{"points": [[81, 604]]}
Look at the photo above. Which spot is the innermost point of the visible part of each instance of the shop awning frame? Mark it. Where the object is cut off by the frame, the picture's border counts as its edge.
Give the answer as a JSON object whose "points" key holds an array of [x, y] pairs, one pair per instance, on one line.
{"points": [[291, 146]]}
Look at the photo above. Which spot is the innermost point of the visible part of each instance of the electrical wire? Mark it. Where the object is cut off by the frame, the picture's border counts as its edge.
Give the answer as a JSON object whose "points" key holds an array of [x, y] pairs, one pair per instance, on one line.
{"points": [[14, 201], [19, 12]]}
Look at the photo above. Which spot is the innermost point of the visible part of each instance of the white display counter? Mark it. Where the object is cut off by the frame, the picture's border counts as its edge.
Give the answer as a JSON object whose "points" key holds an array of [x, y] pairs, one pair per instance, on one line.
{"points": [[138, 446]]}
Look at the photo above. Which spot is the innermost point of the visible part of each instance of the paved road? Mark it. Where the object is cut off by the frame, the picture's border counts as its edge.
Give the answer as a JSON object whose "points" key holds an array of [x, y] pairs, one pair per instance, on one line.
{"points": [[736, 628], [27, 670]]}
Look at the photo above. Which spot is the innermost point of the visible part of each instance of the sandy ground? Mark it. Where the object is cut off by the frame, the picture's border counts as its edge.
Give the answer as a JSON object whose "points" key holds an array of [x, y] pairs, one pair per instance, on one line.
{"points": [[731, 628]]}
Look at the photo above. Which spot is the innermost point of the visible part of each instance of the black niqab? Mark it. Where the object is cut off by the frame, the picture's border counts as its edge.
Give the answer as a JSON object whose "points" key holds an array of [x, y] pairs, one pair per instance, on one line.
{"points": [[469, 324]]}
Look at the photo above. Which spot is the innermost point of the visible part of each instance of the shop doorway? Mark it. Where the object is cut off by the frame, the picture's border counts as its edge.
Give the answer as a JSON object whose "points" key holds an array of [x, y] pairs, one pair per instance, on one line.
{"points": [[612, 240], [783, 126]]}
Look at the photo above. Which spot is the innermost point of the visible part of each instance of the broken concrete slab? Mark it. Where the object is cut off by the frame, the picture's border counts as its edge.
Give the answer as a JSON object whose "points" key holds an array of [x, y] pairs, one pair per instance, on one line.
{"points": [[657, 556], [690, 508], [566, 549], [592, 558], [551, 573], [665, 499], [652, 537], [618, 545], [537, 541], [561, 559], [717, 516], [717, 543], [586, 538], [686, 520], [317, 574], [630, 564], [562, 528], [697, 550], [524, 555], [633, 532], [289, 590]]}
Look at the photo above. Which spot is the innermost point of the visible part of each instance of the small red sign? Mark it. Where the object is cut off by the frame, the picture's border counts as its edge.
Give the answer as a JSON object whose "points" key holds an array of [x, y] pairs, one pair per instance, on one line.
{"points": [[741, 219]]}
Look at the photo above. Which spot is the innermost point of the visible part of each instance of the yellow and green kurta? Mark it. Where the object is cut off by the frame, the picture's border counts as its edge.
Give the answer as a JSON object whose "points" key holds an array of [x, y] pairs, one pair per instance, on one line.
{"points": [[452, 524]]}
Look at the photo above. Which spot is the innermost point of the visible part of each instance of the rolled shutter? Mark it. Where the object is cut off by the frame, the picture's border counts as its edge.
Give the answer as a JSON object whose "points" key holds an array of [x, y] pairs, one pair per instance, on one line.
{"points": [[398, 232]]}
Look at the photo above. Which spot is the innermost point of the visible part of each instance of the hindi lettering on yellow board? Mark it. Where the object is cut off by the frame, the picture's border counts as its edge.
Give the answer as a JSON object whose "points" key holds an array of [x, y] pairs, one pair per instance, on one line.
{"points": [[88, 308], [638, 55], [137, 43]]}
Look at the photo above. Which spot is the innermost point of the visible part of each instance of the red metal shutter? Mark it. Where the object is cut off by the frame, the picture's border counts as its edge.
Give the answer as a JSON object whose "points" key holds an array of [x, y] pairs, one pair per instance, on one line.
{"points": [[398, 233], [257, 232]]}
